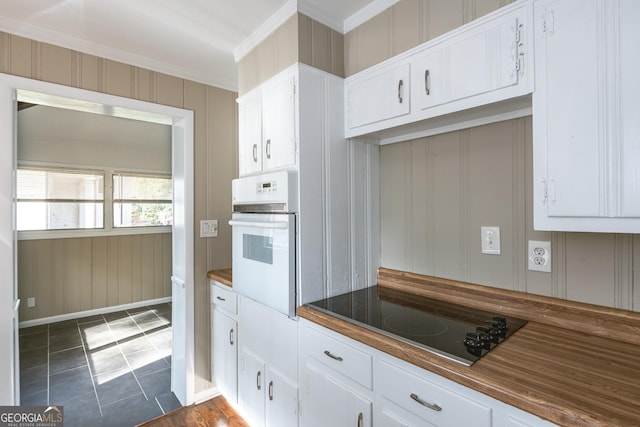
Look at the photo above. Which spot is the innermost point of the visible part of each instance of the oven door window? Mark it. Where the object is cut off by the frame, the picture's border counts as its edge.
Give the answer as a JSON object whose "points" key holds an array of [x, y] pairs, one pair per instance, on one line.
{"points": [[257, 248]]}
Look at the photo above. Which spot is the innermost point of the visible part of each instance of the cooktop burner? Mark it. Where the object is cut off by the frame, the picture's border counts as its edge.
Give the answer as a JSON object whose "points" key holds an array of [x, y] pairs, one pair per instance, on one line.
{"points": [[458, 333]]}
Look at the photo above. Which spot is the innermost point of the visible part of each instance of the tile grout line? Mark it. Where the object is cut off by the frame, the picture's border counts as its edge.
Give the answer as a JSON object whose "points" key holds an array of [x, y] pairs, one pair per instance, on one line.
{"points": [[86, 357], [135, 377]]}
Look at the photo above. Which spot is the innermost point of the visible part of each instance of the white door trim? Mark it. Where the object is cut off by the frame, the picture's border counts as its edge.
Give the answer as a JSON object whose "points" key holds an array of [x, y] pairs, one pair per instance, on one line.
{"points": [[52, 94]]}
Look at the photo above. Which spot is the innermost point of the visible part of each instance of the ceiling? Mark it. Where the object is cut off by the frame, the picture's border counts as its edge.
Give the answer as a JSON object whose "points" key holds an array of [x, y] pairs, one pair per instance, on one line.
{"points": [[193, 39]]}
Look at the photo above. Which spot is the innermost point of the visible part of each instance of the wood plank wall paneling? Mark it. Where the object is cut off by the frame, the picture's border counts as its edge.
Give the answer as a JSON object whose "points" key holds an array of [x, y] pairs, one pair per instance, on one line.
{"points": [[215, 116], [407, 24], [299, 39], [437, 192], [79, 274]]}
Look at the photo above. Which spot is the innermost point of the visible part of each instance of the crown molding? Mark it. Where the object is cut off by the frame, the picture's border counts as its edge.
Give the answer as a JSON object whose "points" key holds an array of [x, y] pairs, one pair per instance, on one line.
{"points": [[44, 35], [315, 13], [264, 30]]}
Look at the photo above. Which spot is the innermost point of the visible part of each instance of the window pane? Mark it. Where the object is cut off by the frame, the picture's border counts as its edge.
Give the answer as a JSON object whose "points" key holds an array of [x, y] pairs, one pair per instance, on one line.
{"points": [[53, 185], [129, 187], [59, 200], [59, 216], [142, 201], [142, 214]]}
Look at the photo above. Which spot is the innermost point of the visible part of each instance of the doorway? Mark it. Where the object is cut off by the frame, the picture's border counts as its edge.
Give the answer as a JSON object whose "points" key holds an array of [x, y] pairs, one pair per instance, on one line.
{"points": [[181, 121]]}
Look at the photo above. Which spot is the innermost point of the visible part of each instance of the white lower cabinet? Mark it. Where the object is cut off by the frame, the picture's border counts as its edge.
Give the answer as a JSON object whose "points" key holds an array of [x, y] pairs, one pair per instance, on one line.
{"points": [[325, 401], [268, 366], [428, 400], [346, 383], [267, 397], [336, 380], [224, 339]]}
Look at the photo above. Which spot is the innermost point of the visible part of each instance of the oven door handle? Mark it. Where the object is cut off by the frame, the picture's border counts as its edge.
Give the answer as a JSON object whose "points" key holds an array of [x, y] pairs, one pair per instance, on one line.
{"points": [[280, 225]]}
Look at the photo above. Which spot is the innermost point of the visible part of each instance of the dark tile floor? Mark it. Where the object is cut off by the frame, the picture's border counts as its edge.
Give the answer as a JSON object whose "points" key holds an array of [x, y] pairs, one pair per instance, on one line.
{"points": [[105, 370]]}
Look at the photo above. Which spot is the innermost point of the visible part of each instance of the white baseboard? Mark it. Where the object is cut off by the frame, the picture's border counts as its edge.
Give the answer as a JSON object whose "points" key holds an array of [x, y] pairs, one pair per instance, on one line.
{"points": [[86, 313], [207, 394]]}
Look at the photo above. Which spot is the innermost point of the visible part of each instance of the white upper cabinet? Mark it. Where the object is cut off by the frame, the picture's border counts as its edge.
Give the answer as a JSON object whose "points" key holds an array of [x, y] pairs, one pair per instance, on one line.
{"points": [[382, 95], [585, 116], [476, 65], [267, 125]]}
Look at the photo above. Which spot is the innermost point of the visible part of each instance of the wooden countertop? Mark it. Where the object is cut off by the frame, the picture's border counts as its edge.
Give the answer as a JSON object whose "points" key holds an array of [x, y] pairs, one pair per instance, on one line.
{"points": [[223, 276], [548, 368]]}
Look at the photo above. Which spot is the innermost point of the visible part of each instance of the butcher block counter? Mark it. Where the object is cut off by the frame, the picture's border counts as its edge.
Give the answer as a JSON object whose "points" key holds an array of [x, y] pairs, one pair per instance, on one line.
{"points": [[223, 276], [573, 364]]}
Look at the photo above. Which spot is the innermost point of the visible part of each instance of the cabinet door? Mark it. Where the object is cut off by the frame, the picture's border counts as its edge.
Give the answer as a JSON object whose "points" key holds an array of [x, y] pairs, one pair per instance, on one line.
{"points": [[251, 388], [250, 134], [278, 124], [326, 402], [225, 355], [381, 96], [567, 113], [630, 107], [484, 60], [282, 401], [429, 78]]}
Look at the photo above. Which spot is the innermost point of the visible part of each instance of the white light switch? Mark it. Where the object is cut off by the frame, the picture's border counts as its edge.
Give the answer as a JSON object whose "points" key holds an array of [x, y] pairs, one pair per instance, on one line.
{"points": [[490, 240], [209, 228]]}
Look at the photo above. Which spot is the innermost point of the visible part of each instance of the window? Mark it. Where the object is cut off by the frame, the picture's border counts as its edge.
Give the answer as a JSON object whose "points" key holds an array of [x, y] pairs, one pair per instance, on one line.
{"points": [[141, 201], [59, 200], [51, 199]]}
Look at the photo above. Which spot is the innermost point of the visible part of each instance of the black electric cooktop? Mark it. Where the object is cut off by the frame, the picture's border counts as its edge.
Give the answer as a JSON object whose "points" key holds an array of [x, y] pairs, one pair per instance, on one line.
{"points": [[456, 332]]}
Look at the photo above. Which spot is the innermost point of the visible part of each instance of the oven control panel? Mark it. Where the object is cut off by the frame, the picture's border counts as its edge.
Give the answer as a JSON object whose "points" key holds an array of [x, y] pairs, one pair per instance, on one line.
{"points": [[269, 188]]}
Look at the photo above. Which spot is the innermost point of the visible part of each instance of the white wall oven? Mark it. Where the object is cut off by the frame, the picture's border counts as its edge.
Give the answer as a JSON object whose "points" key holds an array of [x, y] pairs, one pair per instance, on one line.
{"points": [[264, 239]]}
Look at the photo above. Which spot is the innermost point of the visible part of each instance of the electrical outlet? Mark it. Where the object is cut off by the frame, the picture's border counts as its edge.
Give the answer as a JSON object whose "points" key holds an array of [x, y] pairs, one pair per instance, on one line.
{"points": [[31, 302], [209, 228], [490, 240], [539, 256]]}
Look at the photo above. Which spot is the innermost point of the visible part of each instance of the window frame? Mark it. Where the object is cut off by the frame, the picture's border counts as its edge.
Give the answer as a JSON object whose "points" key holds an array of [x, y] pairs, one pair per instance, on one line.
{"points": [[108, 220], [141, 201]]}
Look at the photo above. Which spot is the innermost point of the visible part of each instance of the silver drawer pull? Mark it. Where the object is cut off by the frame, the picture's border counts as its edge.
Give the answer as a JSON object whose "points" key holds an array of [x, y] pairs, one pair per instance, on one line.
{"points": [[426, 404], [400, 86], [231, 336], [221, 299], [255, 153], [333, 356], [360, 420], [258, 382], [427, 89], [270, 390]]}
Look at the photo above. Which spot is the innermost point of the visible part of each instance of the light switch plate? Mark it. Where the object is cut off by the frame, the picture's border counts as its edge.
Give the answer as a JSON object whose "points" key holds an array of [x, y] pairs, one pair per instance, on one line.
{"points": [[209, 228], [490, 240]]}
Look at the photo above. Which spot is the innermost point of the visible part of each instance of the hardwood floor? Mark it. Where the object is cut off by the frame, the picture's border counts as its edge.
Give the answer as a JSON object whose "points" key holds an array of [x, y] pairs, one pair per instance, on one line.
{"points": [[212, 413]]}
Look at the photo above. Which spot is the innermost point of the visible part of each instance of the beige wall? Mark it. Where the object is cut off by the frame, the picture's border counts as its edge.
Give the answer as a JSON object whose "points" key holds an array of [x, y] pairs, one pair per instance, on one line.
{"points": [[437, 192], [407, 24], [79, 274], [299, 39], [215, 115]]}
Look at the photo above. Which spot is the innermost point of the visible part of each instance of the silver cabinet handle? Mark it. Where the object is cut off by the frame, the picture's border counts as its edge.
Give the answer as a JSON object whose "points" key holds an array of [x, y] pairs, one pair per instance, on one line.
{"points": [[255, 153], [231, 336], [400, 86], [426, 404], [333, 356], [270, 390], [267, 149], [360, 419], [427, 89], [258, 385], [221, 299]]}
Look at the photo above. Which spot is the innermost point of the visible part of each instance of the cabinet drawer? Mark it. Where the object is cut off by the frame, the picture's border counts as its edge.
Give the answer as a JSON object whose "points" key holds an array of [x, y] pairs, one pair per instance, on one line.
{"points": [[224, 298], [415, 394], [340, 356]]}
